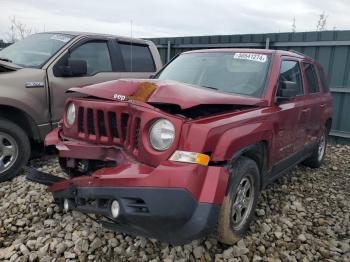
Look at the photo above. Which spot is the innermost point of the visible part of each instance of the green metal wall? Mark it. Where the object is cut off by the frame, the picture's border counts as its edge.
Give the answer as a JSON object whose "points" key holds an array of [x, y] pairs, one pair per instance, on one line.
{"points": [[331, 48]]}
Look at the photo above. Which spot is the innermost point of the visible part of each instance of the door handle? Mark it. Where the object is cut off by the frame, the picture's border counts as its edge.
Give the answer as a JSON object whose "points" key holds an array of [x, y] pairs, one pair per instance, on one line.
{"points": [[305, 110], [322, 105]]}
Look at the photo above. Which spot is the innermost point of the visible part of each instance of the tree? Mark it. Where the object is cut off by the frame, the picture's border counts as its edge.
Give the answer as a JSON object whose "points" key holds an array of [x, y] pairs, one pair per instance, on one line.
{"points": [[322, 21], [18, 30]]}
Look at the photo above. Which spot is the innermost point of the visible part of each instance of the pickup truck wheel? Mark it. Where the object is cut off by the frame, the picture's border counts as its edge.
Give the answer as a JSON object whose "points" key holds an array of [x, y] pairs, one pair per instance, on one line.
{"points": [[14, 149], [316, 159], [239, 204]]}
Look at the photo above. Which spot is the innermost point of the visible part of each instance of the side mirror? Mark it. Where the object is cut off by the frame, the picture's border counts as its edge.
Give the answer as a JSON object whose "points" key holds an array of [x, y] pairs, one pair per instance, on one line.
{"points": [[152, 76], [74, 67], [286, 91]]}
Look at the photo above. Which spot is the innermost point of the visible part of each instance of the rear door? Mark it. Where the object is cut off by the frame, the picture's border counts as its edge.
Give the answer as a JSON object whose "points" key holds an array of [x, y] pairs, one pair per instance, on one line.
{"points": [[291, 114], [97, 54], [315, 100], [138, 59]]}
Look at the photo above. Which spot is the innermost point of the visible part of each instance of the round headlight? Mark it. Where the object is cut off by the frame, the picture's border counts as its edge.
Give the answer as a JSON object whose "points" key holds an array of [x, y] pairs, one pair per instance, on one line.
{"points": [[70, 115], [162, 134]]}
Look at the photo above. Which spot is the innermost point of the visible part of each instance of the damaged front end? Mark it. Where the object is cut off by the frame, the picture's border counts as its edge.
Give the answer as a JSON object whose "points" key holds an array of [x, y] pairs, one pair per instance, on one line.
{"points": [[126, 162]]}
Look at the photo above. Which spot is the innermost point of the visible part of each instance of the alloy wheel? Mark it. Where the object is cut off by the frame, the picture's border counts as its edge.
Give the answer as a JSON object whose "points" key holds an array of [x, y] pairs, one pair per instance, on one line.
{"points": [[243, 202], [321, 146], [8, 151]]}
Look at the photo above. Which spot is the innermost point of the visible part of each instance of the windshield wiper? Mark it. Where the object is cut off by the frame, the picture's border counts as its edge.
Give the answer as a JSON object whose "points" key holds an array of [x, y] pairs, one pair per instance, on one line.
{"points": [[5, 59], [210, 87]]}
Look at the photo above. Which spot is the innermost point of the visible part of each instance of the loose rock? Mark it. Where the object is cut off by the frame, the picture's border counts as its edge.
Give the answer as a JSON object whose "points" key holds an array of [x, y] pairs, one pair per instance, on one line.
{"points": [[304, 216]]}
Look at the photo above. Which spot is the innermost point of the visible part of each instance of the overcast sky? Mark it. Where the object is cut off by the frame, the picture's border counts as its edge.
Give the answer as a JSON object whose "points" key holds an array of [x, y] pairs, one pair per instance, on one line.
{"points": [[156, 18]]}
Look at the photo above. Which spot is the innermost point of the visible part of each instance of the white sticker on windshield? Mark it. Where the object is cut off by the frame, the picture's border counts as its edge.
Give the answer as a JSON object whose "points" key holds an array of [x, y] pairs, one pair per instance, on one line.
{"points": [[250, 56], [62, 38]]}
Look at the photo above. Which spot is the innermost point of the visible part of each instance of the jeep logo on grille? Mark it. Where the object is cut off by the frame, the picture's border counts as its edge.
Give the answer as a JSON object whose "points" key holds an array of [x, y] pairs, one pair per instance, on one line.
{"points": [[119, 97]]}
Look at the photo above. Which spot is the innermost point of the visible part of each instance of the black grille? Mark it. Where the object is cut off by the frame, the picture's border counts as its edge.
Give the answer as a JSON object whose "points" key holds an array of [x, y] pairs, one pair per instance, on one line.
{"points": [[90, 122], [81, 119], [97, 124], [137, 132], [136, 205], [124, 124], [101, 123], [112, 118]]}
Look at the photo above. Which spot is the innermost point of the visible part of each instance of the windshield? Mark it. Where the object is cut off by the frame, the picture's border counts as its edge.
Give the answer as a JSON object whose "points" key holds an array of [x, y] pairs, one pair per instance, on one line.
{"points": [[34, 50], [240, 73]]}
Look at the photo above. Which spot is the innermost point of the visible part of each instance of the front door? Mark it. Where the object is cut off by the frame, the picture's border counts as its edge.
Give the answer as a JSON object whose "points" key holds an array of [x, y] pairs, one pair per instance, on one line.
{"points": [[104, 63], [291, 114]]}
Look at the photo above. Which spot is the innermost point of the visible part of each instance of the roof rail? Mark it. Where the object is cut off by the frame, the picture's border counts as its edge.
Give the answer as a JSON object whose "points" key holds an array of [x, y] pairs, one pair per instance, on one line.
{"points": [[296, 52]]}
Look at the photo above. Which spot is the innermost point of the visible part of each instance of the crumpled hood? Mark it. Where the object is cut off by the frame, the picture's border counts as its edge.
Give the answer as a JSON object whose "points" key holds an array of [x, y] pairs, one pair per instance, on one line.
{"points": [[155, 91]]}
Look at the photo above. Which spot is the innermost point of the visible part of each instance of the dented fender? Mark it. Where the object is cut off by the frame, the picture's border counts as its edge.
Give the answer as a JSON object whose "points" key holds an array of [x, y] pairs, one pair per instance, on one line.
{"points": [[239, 138]]}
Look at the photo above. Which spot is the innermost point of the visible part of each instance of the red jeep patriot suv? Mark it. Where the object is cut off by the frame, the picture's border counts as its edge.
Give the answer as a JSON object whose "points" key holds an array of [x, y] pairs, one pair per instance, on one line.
{"points": [[186, 153]]}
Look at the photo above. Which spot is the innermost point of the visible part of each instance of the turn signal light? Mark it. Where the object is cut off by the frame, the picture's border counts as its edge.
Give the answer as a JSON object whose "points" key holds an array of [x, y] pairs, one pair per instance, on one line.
{"points": [[190, 157]]}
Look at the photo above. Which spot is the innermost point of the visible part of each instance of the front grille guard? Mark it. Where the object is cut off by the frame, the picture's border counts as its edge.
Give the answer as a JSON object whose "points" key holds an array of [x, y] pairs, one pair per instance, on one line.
{"points": [[96, 125]]}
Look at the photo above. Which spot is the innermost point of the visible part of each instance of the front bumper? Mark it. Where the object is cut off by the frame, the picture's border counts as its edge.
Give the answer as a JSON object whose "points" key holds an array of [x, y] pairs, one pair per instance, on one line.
{"points": [[176, 203], [170, 215]]}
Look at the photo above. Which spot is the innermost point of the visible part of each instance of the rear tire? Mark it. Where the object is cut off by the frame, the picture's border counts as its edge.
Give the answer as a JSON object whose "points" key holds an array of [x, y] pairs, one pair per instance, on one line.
{"points": [[14, 149], [316, 159], [238, 207]]}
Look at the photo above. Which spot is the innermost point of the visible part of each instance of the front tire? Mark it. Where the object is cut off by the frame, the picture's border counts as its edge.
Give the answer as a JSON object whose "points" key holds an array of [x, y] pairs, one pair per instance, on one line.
{"points": [[14, 149], [237, 210], [316, 159]]}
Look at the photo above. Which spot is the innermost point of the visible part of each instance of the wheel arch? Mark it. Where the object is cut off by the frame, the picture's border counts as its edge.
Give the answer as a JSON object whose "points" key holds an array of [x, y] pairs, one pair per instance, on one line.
{"points": [[258, 152], [22, 119], [329, 124]]}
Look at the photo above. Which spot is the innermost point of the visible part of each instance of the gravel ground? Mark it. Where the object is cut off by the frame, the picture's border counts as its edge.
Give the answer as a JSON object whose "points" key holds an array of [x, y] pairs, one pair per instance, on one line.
{"points": [[304, 216]]}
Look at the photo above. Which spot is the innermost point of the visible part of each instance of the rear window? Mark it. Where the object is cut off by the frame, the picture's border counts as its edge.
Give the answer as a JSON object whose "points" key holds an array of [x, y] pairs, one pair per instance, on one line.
{"points": [[324, 80], [137, 58], [311, 78]]}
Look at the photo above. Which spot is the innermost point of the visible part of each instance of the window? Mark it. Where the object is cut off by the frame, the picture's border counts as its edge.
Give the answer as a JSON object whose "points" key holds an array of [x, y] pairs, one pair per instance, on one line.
{"points": [[324, 80], [96, 55], [137, 58], [311, 78], [290, 80]]}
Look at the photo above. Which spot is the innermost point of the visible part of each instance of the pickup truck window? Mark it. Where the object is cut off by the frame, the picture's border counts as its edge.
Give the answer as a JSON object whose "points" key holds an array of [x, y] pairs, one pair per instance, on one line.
{"points": [[311, 78], [35, 50], [290, 72], [96, 55], [137, 58], [240, 73]]}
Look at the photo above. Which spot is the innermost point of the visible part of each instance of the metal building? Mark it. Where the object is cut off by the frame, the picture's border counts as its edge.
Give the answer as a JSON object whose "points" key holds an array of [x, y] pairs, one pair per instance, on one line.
{"points": [[331, 48]]}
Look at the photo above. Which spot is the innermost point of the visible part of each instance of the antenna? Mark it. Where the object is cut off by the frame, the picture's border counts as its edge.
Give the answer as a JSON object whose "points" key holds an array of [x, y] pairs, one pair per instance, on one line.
{"points": [[131, 65]]}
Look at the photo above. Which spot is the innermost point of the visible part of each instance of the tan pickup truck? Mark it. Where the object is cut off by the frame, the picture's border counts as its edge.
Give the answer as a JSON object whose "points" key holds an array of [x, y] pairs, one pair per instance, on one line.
{"points": [[36, 72]]}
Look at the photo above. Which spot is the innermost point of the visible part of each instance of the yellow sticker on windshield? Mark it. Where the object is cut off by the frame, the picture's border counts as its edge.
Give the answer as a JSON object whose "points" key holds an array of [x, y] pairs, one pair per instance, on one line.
{"points": [[251, 56]]}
